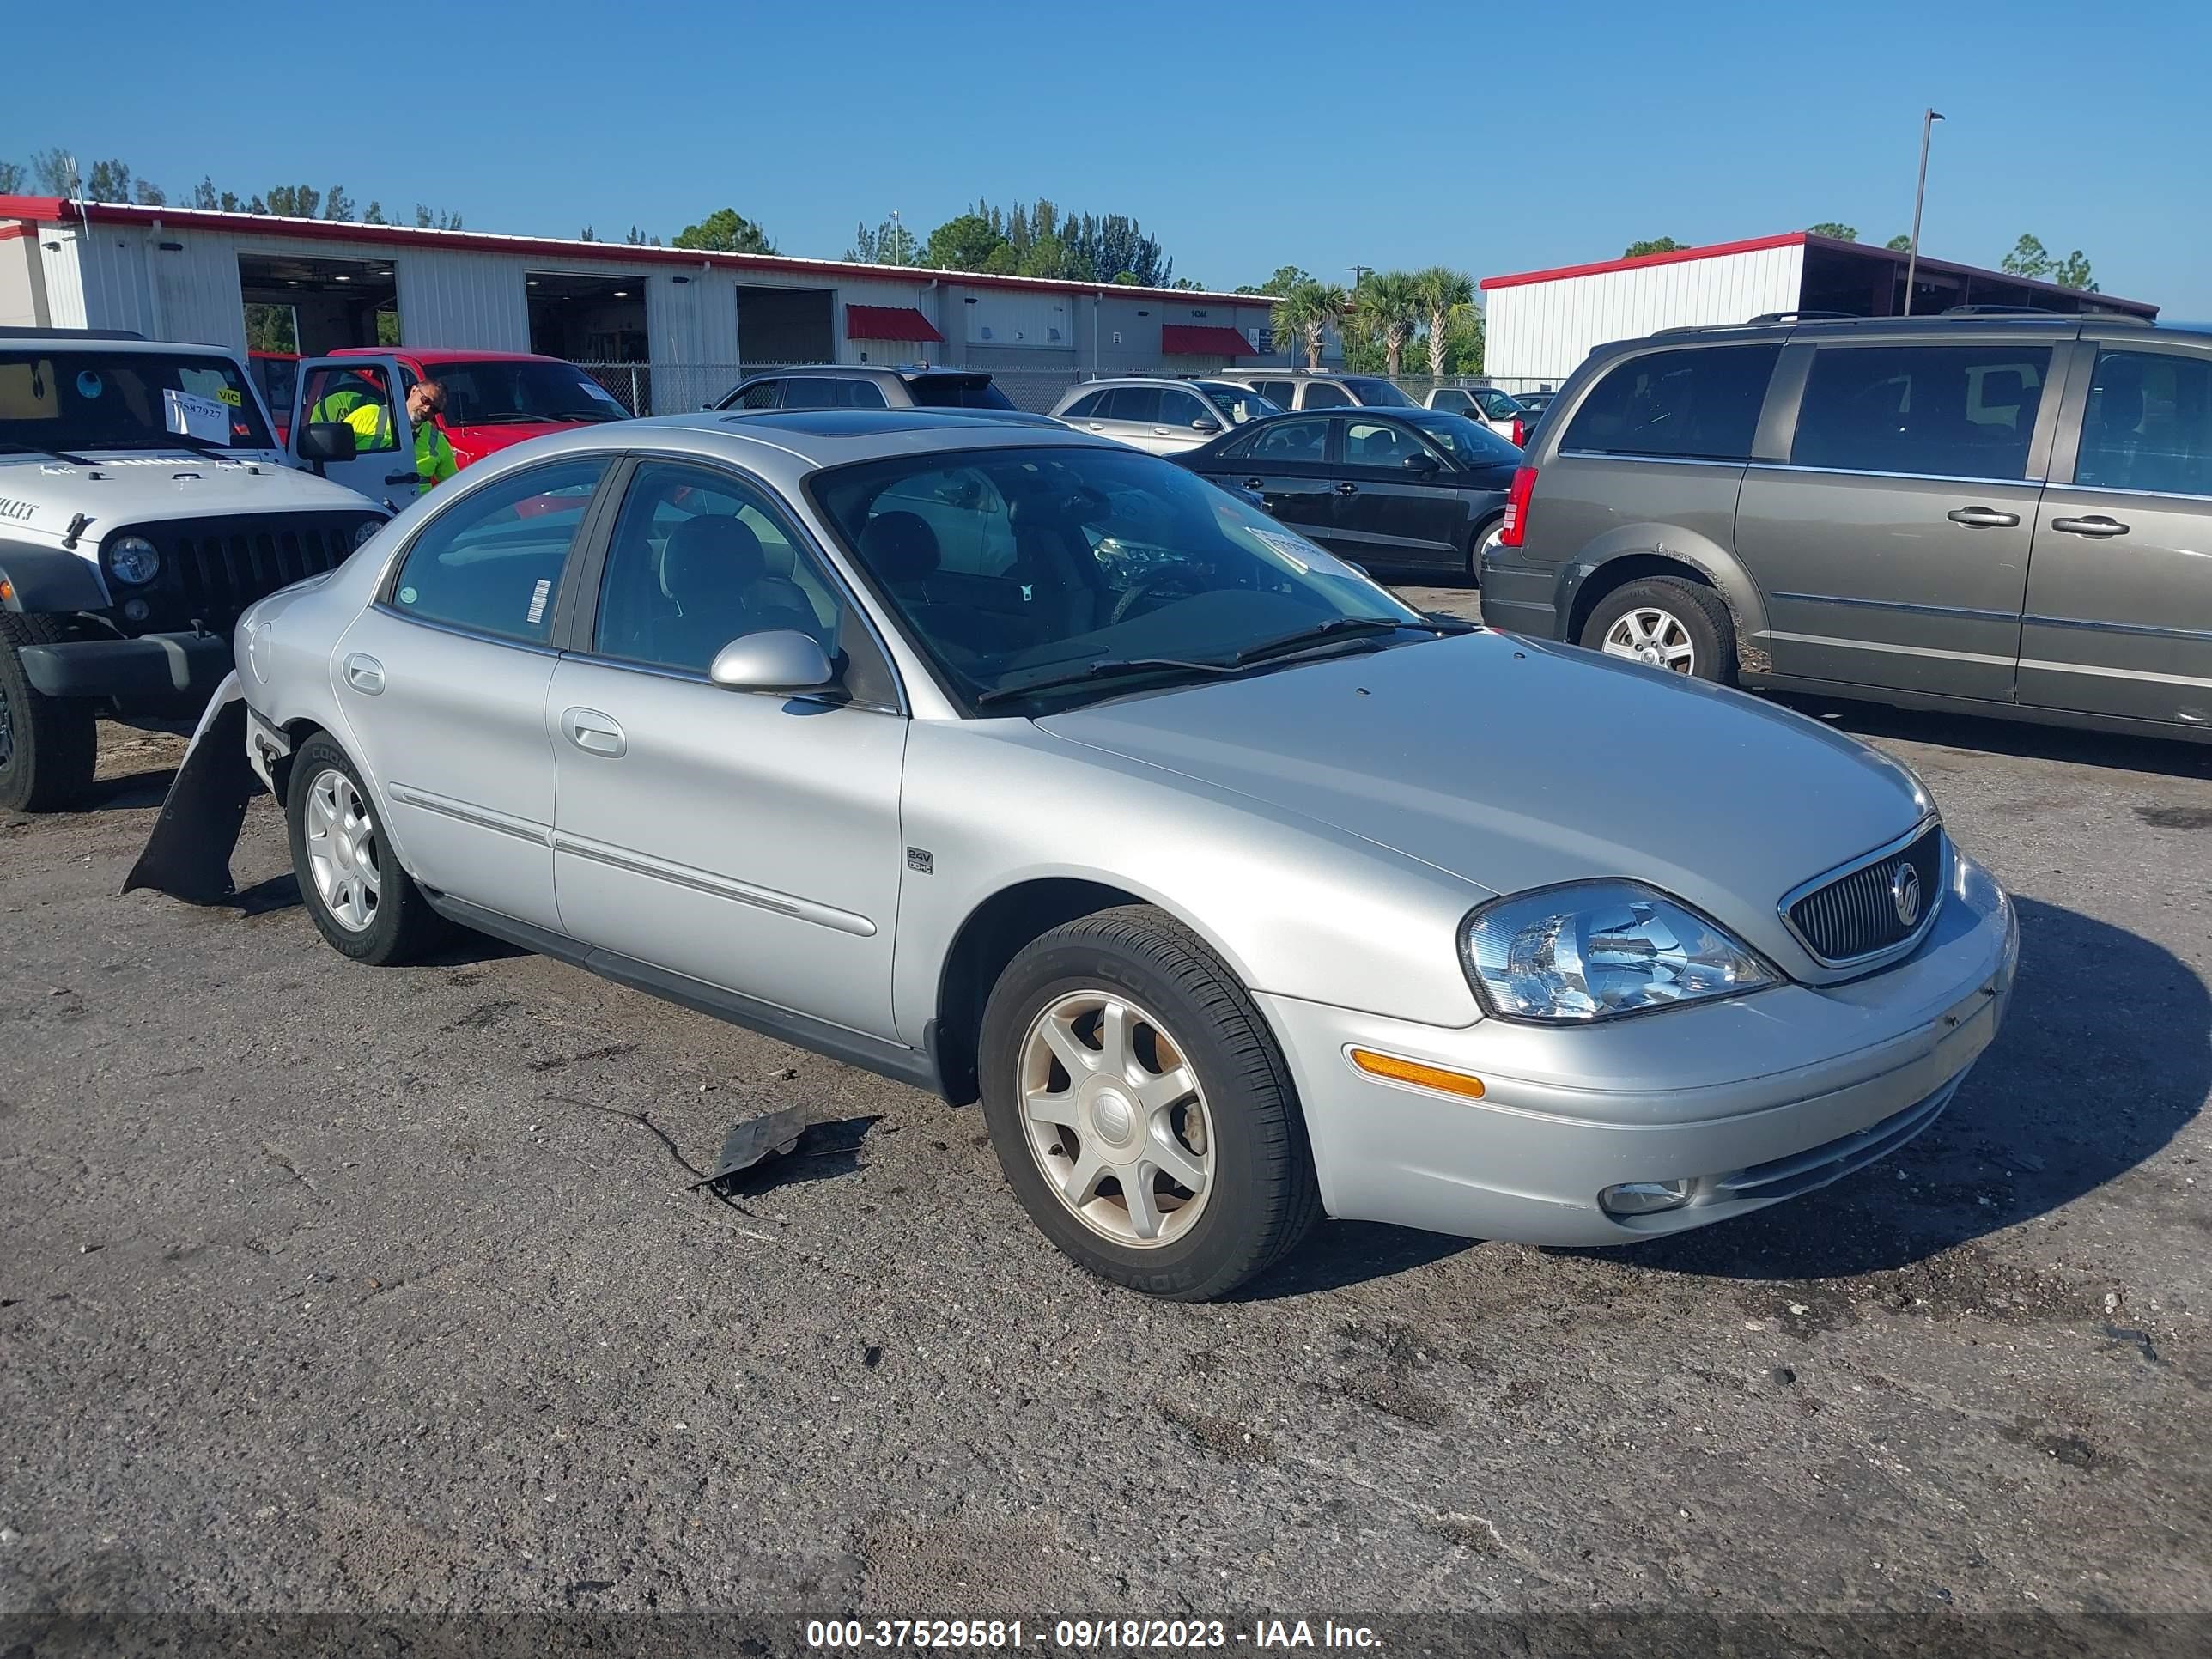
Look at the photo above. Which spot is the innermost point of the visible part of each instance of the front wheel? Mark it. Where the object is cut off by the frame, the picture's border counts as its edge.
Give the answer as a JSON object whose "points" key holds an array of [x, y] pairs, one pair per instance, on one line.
{"points": [[362, 902], [48, 745], [1663, 622], [1140, 1108]]}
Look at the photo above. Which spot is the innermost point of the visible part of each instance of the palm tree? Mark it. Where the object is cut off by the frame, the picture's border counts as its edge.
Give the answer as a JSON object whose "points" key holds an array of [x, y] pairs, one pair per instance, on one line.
{"points": [[1305, 314], [1440, 288], [1388, 308]]}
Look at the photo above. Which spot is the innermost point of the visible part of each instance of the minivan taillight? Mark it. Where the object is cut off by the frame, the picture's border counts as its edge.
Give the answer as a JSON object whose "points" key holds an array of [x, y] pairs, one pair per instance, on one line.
{"points": [[1520, 433], [1514, 529]]}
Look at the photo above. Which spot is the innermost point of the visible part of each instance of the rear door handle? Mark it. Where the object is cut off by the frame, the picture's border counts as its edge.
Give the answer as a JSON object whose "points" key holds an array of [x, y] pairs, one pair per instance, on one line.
{"points": [[593, 733], [2096, 525], [1983, 518], [364, 674], [1347, 489]]}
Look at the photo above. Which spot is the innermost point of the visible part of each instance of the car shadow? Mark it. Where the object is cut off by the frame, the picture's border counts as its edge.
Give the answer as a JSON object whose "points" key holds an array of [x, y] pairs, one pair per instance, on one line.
{"points": [[1338, 1254], [1973, 735], [2104, 1055]]}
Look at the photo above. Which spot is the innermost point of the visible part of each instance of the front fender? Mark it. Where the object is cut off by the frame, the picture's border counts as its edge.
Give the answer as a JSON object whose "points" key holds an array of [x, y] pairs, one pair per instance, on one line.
{"points": [[49, 581]]}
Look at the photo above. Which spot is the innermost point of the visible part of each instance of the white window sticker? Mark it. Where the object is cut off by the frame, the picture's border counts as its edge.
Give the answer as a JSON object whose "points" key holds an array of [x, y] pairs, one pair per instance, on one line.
{"points": [[537, 597], [1304, 555], [197, 417]]}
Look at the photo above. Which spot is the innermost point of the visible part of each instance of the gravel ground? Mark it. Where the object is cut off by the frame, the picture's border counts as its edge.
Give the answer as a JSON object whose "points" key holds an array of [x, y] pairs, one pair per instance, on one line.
{"points": [[324, 1288]]}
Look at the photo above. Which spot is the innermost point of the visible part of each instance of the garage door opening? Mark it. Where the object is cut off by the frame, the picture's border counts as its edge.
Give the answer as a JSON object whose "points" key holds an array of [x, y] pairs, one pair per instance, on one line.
{"points": [[313, 306], [587, 320], [787, 325]]}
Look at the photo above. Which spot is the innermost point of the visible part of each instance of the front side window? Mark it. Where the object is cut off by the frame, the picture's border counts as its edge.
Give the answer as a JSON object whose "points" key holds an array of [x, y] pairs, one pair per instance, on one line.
{"points": [[760, 394], [1457, 400], [1113, 560], [1498, 405], [1960, 411], [811, 392], [1237, 404], [1378, 443], [123, 399], [492, 563], [2148, 424], [1699, 404], [354, 396], [1181, 409], [1466, 442]]}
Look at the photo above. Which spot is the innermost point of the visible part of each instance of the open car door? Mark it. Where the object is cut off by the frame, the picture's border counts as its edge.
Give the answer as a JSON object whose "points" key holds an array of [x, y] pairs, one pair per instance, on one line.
{"points": [[369, 396]]}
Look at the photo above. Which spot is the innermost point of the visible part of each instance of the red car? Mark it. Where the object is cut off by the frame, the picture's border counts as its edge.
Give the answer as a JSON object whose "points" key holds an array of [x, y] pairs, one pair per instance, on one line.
{"points": [[496, 398]]}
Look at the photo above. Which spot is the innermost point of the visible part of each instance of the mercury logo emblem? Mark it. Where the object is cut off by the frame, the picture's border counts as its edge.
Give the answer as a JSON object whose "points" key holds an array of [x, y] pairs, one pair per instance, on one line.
{"points": [[1904, 893]]}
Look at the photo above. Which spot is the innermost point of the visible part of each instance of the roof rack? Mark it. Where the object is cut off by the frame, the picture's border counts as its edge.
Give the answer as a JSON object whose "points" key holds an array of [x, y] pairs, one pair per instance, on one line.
{"points": [[2004, 311], [17, 333], [1799, 317]]}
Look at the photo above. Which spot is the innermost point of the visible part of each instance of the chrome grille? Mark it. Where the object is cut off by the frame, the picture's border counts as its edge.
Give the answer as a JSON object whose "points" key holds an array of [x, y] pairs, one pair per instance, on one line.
{"points": [[213, 568], [1855, 915]]}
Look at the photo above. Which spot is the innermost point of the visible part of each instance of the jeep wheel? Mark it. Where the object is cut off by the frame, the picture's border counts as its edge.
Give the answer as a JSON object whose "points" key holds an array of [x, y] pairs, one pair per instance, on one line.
{"points": [[1663, 622], [1140, 1108], [47, 744]]}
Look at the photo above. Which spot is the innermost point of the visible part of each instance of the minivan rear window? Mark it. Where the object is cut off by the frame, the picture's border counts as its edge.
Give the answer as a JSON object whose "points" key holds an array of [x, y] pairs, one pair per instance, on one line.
{"points": [[1700, 403]]}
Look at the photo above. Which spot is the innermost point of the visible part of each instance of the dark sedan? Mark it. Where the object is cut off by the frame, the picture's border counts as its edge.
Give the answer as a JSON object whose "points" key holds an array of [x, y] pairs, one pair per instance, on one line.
{"points": [[1401, 489]]}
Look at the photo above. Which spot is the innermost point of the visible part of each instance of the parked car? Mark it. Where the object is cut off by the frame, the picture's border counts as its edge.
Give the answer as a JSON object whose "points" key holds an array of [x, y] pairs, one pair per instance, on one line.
{"points": [[862, 386], [494, 399], [1012, 761], [2004, 515], [1159, 413], [143, 503], [1501, 411], [1314, 388], [1408, 488], [1534, 402]]}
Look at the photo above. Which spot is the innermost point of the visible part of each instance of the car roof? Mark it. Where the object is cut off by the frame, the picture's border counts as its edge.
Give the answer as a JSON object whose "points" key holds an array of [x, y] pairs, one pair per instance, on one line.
{"points": [[830, 437], [895, 371], [1816, 325], [12, 339], [444, 355]]}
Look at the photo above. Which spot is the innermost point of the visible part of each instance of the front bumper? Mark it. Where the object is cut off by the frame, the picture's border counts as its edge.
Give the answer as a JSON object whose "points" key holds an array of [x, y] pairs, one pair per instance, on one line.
{"points": [[1751, 1100], [152, 666]]}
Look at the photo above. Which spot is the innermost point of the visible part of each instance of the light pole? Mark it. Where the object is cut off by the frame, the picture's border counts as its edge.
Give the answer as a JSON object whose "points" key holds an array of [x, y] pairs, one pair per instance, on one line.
{"points": [[1928, 120], [1359, 274]]}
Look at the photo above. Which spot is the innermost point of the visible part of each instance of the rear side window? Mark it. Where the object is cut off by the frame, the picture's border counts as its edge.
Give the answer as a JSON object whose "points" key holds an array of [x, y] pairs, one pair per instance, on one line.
{"points": [[1083, 408], [811, 392], [1134, 402], [1701, 403], [760, 394], [1961, 411], [2149, 425], [1326, 394], [1282, 393], [492, 563]]}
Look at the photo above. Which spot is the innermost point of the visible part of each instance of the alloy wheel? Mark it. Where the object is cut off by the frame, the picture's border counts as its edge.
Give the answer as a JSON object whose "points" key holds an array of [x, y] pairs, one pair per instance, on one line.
{"points": [[342, 851], [1115, 1117], [1650, 635]]}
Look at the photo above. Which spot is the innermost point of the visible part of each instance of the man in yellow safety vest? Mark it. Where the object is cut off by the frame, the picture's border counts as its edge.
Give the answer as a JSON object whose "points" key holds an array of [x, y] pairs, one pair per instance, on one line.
{"points": [[360, 404]]}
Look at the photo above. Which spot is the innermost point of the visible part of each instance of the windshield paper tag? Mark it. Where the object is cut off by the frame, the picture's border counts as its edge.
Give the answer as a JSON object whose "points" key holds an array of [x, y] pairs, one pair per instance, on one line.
{"points": [[197, 417], [1304, 553]]}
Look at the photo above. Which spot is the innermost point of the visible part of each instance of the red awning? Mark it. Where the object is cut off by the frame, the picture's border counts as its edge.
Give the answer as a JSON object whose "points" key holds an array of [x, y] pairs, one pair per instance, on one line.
{"points": [[890, 323], [1202, 340]]}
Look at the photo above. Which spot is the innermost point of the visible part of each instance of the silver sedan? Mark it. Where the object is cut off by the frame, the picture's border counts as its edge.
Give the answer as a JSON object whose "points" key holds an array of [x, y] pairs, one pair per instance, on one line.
{"points": [[1022, 766]]}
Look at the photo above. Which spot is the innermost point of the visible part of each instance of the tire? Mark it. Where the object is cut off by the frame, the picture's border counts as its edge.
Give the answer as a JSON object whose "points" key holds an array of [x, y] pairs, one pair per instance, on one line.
{"points": [[1483, 532], [1683, 625], [365, 906], [48, 745], [1236, 1123]]}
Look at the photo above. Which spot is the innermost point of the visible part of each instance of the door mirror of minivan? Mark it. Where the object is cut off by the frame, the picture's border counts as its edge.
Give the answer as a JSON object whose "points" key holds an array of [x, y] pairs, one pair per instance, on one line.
{"points": [[326, 442], [777, 659]]}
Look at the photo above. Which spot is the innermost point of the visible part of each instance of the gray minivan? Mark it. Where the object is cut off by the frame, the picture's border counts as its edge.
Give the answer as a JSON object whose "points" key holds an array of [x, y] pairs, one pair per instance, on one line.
{"points": [[2004, 515]]}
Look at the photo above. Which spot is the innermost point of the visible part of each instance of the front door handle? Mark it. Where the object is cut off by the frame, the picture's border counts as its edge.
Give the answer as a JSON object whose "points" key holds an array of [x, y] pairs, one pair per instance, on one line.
{"points": [[403, 478], [593, 733], [1983, 518], [2095, 525], [1254, 483], [364, 674], [1347, 489]]}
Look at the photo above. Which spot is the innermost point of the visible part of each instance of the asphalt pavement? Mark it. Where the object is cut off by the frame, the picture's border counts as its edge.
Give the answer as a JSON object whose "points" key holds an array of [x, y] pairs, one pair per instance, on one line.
{"points": [[334, 1289]]}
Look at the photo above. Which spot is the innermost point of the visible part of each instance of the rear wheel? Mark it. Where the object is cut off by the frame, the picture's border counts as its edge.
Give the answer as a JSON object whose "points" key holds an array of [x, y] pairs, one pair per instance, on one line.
{"points": [[1140, 1108], [362, 902], [1485, 533], [48, 745], [1664, 622]]}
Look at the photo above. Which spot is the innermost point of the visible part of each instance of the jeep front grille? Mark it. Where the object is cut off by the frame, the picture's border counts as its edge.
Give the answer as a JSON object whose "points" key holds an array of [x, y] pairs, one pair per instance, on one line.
{"points": [[211, 569]]}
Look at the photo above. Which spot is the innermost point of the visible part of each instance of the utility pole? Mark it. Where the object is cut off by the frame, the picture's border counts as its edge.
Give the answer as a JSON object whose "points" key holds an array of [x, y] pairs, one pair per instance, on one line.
{"points": [[1928, 120], [1359, 274]]}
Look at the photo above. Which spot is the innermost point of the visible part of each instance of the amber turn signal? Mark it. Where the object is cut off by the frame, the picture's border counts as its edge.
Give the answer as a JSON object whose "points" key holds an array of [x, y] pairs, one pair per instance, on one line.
{"points": [[1412, 1071]]}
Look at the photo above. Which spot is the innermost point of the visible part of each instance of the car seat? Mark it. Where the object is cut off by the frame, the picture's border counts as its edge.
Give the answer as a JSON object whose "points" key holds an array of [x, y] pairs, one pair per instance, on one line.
{"points": [[707, 566]]}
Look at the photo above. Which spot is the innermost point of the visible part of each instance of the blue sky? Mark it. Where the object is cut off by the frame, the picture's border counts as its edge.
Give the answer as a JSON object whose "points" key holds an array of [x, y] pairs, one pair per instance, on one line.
{"points": [[1495, 137]]}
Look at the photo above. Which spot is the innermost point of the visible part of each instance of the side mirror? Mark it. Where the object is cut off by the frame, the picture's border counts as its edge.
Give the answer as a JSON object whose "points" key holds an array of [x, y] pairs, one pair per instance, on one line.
{"points": [[1202, 424], [325, 442], [778, 659], [1420, 461]]}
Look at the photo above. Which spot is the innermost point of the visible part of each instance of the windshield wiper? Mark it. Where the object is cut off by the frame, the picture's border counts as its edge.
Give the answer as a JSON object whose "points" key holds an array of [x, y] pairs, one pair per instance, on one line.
{"points": [[595, 416], [61, 455], [166, 440], [1334, 628], [1106, 668]]}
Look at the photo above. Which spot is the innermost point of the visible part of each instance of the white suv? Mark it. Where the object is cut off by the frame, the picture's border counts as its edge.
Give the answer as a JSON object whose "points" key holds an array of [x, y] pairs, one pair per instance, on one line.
{"points": [[1158, 413]]}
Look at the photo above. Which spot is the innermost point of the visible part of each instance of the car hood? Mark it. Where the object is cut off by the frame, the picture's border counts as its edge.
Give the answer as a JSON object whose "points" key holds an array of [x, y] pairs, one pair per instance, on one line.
{"points": [[119, 487], [473, 443], [1515, 764]]}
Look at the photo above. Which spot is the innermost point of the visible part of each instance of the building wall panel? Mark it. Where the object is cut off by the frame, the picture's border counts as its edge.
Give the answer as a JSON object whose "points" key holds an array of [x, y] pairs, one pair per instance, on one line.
{"points": [[1543, 330]]}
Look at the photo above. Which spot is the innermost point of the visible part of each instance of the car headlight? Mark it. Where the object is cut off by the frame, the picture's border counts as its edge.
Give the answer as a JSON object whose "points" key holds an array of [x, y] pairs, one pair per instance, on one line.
{"points": [[133, 559], [368, 528], [1598, 950]]}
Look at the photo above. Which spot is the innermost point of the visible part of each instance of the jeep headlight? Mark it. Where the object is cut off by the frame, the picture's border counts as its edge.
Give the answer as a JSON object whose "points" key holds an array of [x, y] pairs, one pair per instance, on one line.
{"points": [[1598, 950], [133, 560]]}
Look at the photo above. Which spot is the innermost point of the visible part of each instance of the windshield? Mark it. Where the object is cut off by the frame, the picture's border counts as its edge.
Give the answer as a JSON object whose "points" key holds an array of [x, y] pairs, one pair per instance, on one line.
{"points": [[1468, 442], [1378, 394], [517, 390], [70, 400], [1237, 403], [1012, 568], [955, 392]]}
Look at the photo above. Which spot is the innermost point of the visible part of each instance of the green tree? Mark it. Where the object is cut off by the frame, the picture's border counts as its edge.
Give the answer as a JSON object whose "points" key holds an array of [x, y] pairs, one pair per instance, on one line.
{"points": [[271, 328], [1285, 278], [1830, 227], [1438, 288], [56, 171], [13, 177], [1656, 244], [1305, 314], [110, 182], [295, 201], [374, 215], [337, 204], [963, 242], [387, 326], [2073, 272], [1047, 256], [1900, 243], [442, 219], [2028, 258], [1387, 308], [726, 230], [889, 243], [587, 234]]}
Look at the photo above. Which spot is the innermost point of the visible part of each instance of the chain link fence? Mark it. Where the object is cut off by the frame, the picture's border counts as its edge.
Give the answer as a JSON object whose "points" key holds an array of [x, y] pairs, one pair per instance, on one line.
{"points": [[656, 388]]}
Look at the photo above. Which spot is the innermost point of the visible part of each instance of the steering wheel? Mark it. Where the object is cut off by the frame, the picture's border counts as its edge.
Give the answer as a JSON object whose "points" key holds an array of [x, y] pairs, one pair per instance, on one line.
{"points": [[1179, 584]]}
